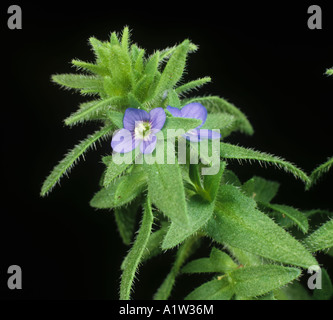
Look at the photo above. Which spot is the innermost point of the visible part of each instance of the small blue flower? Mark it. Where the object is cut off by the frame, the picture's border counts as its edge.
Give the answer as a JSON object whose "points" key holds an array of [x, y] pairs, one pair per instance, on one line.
{"points": [[195, 111], [140, 128]]}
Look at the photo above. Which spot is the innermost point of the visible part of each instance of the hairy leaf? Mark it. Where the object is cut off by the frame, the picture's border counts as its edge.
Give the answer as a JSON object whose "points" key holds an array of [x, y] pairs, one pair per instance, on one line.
{"points": [[72, 156], [322, 238], [238, 223], [319, 171], [120, 192], [199, 212], [229, 151], [114, 168], [87, 84], [174, 68], [90, 109], [125, 219], [259, 280], [195, 84], [134, 256], [218, 262], [217, 289], [215, 104], [286, 211], [260, 189], [166, 189]]}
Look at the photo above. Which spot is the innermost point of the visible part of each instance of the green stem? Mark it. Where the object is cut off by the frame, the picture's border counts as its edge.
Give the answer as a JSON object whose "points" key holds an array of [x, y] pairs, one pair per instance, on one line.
{"points": [[135, 254], [184, 252]]}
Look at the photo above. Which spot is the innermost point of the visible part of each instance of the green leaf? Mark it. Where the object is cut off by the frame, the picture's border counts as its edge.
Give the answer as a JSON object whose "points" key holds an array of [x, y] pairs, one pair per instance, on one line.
{"points": [[183, 253], [294, 291], [218, 262], [215, 104], [120, 192], [125, 40], [91, 67], [166, 189], [102, 52], [116, 167], [174, 68], [173, 99], [245, 258], [134, 256], [153, 247], [90, 109], [296, 216], [322, 238], [229, 151], [229, 177], [238, 223], [199, 212], [258, 280], [217, 289], [71, 157], [125, 219], [121, 70], [87, 84], [194, 84], [223, 121], [116, 118], [260, 189], [319, 171]]}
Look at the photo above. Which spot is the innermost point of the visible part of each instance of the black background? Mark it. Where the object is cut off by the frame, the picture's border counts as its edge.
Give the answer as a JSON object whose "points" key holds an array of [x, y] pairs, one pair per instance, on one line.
{"points": [[261, 57]]}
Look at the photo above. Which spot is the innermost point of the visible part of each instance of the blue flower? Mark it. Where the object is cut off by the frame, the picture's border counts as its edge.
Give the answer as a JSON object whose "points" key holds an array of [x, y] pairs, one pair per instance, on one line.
{"points": [[195, 111], [139, 129]]}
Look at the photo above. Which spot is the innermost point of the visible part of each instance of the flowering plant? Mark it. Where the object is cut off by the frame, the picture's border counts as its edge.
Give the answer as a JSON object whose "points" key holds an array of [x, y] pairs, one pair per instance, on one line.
{"points": [[169, 157]]}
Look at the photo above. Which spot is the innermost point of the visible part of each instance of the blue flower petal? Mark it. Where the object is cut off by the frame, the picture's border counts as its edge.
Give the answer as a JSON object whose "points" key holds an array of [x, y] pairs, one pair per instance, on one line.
{"points": [[195, 111], [174, 111], [123, 141], [148, 146], [197, 135], [132, 115], [157, 119]]}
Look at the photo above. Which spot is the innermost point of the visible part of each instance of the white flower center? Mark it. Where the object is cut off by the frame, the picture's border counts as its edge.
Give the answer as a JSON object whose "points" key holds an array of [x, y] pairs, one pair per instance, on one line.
{"points": [[142, 130]]}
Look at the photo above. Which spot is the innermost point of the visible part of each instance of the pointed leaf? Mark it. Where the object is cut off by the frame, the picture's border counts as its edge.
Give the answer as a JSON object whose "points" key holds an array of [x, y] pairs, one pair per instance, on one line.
{"points": [[120, 192], [199, 212], [229, 151], [72, 156], [125, 219], [166, 189], [134, 256], [215, 104], [115, 167], [238, 223], [296, 216], [322, 238], [195, 84], [218, 262], [256, 281], [319, 171], [174, 68], [260, 189], [90, 109], [85, 83], [217, 289]]}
